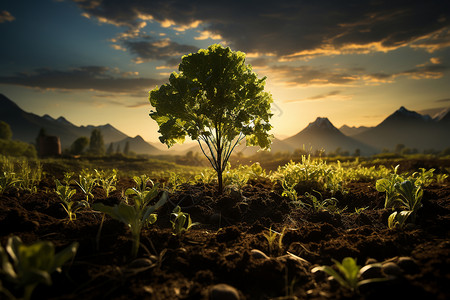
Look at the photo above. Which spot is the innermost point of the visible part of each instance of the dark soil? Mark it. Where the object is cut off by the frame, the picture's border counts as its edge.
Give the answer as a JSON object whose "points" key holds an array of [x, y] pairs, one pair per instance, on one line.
{"points": [[221, 250]]}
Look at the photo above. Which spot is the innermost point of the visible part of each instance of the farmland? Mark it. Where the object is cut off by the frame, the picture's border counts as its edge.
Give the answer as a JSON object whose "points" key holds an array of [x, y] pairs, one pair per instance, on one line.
{"points": [[270, 235]]}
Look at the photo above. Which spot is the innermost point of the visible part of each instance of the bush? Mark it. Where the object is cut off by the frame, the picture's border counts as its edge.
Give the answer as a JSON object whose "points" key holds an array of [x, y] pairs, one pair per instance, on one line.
{"points": [[17, 148]]}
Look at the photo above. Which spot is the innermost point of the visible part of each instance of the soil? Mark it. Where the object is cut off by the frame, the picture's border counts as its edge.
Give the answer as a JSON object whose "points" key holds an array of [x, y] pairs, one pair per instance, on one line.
{"points": [[223, 248]]}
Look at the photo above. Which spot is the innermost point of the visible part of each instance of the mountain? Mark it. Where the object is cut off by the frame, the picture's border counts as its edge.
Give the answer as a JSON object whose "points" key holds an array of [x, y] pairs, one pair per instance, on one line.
{"points": [[137, 145], [26, 126], [322, 134], [350, 131], [410, 128]]}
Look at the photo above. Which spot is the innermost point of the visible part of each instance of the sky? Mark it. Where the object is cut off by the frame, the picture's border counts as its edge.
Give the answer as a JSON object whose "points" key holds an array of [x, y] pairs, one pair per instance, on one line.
{"points": [[355, 62]]}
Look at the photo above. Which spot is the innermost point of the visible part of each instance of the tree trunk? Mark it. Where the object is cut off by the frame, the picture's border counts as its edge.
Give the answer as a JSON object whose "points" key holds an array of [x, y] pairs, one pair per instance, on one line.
{"points": [[220, 180]]}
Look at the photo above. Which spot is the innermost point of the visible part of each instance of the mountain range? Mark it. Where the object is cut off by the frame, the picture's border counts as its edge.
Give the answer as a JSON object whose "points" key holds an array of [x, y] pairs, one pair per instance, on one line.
{"points": [[410, 128], [25, 127]]}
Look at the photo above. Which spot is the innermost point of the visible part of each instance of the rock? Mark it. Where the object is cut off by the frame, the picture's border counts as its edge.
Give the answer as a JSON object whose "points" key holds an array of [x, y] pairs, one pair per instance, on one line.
{"points": [[223, 292], [371, 271], [407, 264], [258, 254], [370, 261], [391, 268]]}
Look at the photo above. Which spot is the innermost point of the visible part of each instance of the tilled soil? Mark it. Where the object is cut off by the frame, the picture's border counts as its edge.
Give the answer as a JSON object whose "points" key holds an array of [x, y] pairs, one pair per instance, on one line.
{"points": [[227, 255]]}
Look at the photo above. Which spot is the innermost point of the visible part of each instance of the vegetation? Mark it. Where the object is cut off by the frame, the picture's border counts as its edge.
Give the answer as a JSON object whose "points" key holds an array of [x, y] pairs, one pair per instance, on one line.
{"points": [[217, 100], [96, 143], [347, 273], [137, 215], [30, 265], [79, 145], [181, 221]]}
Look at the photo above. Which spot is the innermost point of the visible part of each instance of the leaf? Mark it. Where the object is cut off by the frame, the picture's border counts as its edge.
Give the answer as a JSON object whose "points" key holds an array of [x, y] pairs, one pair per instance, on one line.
{"points": [[383, 185]]}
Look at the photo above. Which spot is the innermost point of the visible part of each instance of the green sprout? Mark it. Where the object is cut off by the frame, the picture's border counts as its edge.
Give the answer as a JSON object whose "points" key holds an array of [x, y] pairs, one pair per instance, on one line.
{"points": [[86, 183], [271, 237], [107, 180], [179, 224], [7, 181], [32, 264], [398, 219], [134, 216], [388, 185], [347, 274], [65, 194]]}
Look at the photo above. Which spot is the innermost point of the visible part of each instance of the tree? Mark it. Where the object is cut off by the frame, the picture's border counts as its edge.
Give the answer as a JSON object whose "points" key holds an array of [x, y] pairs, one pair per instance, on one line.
{"points": [[126, 150], [42, 133], [217, 100], [78, 145], [96, 144], [5, 131], [118, 148], [110, 150]]}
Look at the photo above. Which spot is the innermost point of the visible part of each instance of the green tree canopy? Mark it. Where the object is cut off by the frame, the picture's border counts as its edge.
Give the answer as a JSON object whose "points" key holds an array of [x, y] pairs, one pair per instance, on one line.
{"points": [[78, 145], [216, 99], [5, 131], [96, 143]]}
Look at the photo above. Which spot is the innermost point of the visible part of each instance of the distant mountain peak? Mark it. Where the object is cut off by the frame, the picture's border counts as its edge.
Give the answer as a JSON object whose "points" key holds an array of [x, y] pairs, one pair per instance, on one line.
{"points": [[403, 112], [321, 123]]}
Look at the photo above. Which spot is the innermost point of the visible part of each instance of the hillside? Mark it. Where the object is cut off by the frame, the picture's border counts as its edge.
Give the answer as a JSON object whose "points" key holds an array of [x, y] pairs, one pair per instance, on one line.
{"points": [[322, 134]]}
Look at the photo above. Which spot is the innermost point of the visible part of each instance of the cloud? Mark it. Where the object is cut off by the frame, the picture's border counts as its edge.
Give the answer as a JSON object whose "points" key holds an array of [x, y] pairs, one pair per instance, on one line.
{"points": [[308, 76], [311, 76], [92, 78], [165, 49], [5, 16], [420, 72], [443, 100], [293, 29], [330, 94]]}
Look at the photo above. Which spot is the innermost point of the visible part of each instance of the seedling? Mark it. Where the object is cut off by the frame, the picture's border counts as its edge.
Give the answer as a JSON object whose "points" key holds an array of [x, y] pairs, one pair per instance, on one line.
{"points": [[348, 274], [107, 180], [7, 181], [423, 178], [179, 224], [398, 219], [271, 237], [33, 264], [86, 184], [410, 197], [388, 185], [65, 194], [136, 216]]}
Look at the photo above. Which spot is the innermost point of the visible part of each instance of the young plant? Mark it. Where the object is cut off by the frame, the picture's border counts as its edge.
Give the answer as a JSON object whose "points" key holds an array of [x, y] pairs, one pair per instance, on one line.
{"points": [[323, 205], [275, 240], [7, 181], [423, 178], [440, 178], [409, 197], [348, 274], [30, 265], [134, 216], [398, 219], [179, 224], [29, 178], [65, 194], [86, 184], [388, 185], [142, 183], [107, 180]]}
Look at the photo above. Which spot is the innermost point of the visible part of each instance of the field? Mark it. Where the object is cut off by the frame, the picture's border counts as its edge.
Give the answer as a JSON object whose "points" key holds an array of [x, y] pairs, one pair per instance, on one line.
{"points": [[267, 237]]}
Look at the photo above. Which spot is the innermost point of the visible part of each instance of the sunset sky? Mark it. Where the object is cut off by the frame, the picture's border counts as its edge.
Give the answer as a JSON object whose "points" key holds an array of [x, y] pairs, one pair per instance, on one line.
{"points": [[355, 62]]}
